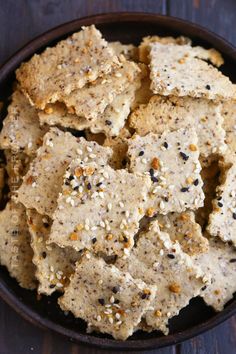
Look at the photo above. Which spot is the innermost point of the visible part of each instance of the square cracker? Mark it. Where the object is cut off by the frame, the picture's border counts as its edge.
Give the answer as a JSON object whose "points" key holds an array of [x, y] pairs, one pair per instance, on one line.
{"points": [[180, 112], [108, 299], [229, 115], [92, 100], [177, 70], [99, 209], [42, 183], [70, 65], [171, 162], [184, 229], [21, 129], [222, 220], [157, 260], [54, 265], [15, 251], [110, 122], [220, 263]]}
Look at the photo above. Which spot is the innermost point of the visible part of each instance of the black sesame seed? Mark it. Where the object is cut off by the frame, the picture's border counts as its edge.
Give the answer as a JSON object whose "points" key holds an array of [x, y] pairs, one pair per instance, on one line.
{"points": [[46, 224], [208, 87], [51, 286], [115, 289], [123, 162], [234, 216], [101, 302], [99, 184], [143, 296], [196, 182], [154, 179], [108, 122], [171, 256], [184, 189], [76, 188], [94, 240], [219, 198], [116, 301], [125, 239], [220, 204], [204, 288], [166, 199], [233, 260], [184, 156], [165, 145], [151, 171], [89, 186], [44, 254], [141, 153], [71, 177]]}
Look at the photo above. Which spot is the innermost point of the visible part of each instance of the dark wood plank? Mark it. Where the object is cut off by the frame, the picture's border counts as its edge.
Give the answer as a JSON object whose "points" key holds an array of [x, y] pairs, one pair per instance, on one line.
{"points": [[217, 341], [22, 20], [216, 15]]}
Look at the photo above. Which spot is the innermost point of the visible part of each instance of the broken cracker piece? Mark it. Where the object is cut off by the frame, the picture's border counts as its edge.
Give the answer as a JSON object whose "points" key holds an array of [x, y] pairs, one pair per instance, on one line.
{"points": [[108, 299], [144, 47], [21, 130], [54, 265], [129, 51], [42, 183], [157, 260], [97, 211], [177, 70], [70, 65], [222, 220], [15, 251], [173, 113], [184, 229], [173, 168], [220, 263]]}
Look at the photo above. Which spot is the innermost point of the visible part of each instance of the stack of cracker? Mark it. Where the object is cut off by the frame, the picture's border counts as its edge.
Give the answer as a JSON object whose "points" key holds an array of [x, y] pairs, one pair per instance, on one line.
{"points": [[121, 168]]}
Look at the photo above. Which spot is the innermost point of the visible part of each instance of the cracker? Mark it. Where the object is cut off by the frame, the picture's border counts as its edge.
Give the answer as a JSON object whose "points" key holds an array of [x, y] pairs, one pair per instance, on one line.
{"points": [[144, 47], [97, 211], [108, 299], [177, 70], [21, 129], [229, 115], [15, 251], [119, 146], [184, 229], [70, 65], [222, 220], [129, 51], [171, 162], [180, 112], [157, 260], [54, 265], [110, 122], [42, 183], [220, 263]]}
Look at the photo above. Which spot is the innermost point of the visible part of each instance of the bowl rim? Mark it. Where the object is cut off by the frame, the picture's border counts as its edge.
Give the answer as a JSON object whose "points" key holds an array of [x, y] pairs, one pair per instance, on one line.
{"points": [[8, 68]]}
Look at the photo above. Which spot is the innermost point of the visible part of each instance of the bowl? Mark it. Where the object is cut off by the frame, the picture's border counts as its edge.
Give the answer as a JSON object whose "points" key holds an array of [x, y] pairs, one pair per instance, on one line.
{"points": [[196, 317]]}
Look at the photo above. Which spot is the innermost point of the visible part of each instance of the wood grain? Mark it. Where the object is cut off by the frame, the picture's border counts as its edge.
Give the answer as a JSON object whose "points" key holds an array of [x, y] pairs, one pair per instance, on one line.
{"points": [[217, 15], [21, 21]]}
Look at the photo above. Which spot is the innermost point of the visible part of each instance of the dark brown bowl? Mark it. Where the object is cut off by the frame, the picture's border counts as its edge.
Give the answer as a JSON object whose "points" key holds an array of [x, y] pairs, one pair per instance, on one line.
{"points": [[196, 317]]}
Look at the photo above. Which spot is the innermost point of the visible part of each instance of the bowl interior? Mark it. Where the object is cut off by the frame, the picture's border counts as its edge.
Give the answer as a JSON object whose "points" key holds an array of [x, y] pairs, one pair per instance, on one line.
{"points": [[196, 317]]}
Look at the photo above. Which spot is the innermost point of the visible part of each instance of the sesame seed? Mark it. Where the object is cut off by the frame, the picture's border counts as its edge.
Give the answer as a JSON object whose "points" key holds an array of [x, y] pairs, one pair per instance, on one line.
{"points": [[79, 152], [99, 318], [89, 149], [144, 161], [141, 153], [112, 299], [109, 206], [111, 320], [121, 204]]}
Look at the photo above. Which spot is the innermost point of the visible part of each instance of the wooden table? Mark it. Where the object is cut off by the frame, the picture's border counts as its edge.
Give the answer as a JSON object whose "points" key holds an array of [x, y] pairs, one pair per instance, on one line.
{"points": [[22, 20]]}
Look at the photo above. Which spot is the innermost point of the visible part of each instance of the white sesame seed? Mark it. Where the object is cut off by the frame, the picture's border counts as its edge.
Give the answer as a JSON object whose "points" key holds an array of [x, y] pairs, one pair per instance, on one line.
{"points": [[79, 152], [121, 204], [81, 189], [161, 252], [112, 299], [111, 320], [86, 227], [143, 160], [109, 206], [92, 156], [102, 224], [72, 202], [89, 149], [93, 228], [162, 205], [126, 251], [117, 315], [87, 255], [105, 174], [99, 318]]}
